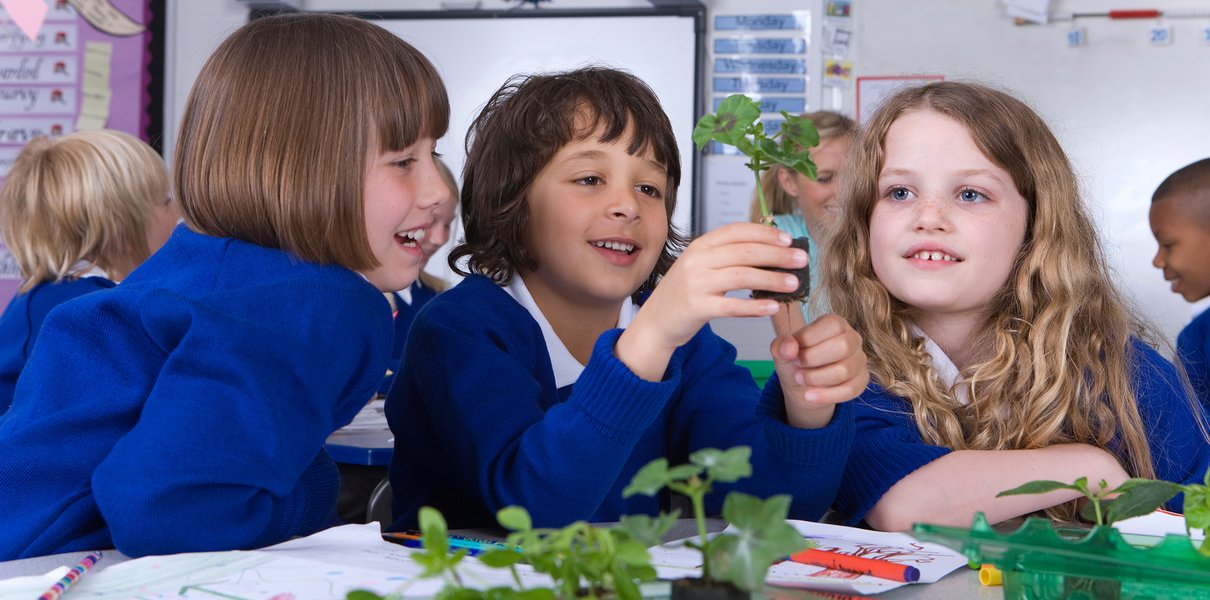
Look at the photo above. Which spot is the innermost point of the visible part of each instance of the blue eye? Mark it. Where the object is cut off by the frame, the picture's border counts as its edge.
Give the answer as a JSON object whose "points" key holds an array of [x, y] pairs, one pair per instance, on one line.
{"points": [[899, 194], [969, 195]]}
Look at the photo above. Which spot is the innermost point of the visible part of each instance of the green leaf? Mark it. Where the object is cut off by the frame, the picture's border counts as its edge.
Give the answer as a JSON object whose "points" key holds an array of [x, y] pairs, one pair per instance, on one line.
{"points": [[500, 558], [649, 480], [724, 466], [799, 130], [514, 518], [624, 585], [1137, 497], [433, 531], [534, 594], [646, 530], [704, 131], [632, 552], [764, 536], [1040, 487], [362, 595], [1197, 506], [802, 164], [730, 123]]}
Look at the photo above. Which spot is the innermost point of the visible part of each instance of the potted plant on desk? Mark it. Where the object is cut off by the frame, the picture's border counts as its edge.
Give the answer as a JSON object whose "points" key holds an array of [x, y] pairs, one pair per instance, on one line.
{"points": [[734, 565], [737, 123]]}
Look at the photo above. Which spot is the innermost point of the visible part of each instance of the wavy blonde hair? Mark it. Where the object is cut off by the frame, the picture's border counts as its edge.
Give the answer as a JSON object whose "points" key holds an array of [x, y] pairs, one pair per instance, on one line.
{"points": [[87, 196], [1056, 353], [830, 125]]}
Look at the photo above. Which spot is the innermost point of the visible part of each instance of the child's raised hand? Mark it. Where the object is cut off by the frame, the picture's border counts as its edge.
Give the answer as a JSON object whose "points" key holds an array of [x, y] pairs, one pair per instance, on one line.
{"points": [[694, 291], [819, 365]]}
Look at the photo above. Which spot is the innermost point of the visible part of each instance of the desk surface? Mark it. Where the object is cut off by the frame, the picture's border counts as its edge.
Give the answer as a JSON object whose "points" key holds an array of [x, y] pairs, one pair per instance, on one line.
{"points": [[366, 441], [962, 584]]}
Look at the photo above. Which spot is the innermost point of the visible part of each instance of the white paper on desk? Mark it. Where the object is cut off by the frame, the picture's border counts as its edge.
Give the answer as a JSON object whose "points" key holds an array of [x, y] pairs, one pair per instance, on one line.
{"points": [[328, 564], [1157, 524], [31, 586], [933, 560]]}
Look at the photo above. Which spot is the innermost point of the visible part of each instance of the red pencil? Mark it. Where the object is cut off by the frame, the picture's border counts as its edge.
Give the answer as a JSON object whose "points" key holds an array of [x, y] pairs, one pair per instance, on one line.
{"points": [[855, 564]]}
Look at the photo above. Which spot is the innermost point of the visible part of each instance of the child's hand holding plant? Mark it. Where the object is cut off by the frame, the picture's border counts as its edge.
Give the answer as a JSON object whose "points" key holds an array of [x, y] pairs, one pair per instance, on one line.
{"points": [[737, 123]]}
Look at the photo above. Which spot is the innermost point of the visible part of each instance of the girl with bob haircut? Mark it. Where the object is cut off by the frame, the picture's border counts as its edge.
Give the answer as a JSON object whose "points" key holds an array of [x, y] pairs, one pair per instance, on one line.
{"points": [[78, 214], [538, 381], [305, 172], [1000, 349]]}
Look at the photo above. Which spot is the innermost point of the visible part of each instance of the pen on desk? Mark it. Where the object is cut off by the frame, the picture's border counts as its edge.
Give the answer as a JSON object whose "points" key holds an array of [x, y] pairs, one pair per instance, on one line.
{"points": [[856, 564], [413, 540], [71, 577], [410, 543]]}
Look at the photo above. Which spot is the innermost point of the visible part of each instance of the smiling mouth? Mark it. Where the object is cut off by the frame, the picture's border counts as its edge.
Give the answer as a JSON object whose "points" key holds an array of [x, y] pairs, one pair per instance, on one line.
{"points": [[618, 246], [934, 255], [411, 237]]}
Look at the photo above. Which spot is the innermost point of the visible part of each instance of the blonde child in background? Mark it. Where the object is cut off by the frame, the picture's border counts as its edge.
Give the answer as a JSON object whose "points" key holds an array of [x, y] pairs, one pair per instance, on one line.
{"points": [[576, 350], [808, 208], [205, 385], [1180, 221], [78, 214], [1000, 350]]}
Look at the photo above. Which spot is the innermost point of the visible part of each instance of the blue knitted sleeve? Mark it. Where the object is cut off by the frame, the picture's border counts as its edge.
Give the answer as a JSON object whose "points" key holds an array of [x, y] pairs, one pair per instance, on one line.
{"points": [[227, 451]]}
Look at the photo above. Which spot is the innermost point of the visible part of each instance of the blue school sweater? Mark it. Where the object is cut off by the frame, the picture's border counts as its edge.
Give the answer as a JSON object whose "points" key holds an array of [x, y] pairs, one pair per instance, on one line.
{"points": [[405, 313], [890, 447], [1193, 346], [479, 423], [186, 409], [21, 321]]}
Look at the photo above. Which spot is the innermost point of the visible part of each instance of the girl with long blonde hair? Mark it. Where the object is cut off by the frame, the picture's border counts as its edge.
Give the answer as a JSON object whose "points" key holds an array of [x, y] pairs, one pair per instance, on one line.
{"points": [[1000, 350]]}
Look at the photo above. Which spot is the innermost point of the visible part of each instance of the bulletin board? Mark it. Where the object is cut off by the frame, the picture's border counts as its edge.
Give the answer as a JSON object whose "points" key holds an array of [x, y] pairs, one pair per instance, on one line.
{"points": [[88, 64]]}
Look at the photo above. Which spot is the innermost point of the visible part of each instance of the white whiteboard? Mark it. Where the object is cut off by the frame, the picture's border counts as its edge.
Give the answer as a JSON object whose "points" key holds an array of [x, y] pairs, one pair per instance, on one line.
{"points": [[476, 55]]}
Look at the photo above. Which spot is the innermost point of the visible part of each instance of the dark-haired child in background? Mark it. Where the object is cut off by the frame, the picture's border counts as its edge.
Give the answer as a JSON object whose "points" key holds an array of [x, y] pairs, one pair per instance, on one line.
{"points": [[1180, 221]]}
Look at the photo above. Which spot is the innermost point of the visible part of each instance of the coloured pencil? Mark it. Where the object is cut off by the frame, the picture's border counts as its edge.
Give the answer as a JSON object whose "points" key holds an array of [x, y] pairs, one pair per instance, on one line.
{"points": [[71, 577]]}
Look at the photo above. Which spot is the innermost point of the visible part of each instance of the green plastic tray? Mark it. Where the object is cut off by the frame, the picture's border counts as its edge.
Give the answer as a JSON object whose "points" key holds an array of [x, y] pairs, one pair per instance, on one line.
{"points": [[1043, 563]]}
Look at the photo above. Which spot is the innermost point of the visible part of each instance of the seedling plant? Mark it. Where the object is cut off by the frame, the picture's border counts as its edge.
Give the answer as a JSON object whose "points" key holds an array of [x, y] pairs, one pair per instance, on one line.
{"points": [[1135, 497], [737, 123], [740, 559]]}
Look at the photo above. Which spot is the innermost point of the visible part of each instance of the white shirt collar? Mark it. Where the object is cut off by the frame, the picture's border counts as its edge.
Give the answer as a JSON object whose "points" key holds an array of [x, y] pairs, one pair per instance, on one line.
{"points": [[565, 366], [947, 371], [406, 295], [83, 268]]}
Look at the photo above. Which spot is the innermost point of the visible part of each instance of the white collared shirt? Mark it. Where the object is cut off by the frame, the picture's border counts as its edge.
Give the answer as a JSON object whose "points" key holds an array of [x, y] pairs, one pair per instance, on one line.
{"points": [[947, 371], [83, 268], [565, 366]]}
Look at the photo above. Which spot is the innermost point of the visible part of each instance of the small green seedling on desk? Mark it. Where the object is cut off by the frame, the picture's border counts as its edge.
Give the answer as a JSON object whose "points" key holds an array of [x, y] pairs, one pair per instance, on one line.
{"points": [[737, 123], [735, 562], [1134, 498], [586, 561]]}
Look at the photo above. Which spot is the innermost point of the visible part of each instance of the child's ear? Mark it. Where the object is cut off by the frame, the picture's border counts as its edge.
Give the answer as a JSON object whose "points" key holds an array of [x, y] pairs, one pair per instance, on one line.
{"points": [[787, 180]]}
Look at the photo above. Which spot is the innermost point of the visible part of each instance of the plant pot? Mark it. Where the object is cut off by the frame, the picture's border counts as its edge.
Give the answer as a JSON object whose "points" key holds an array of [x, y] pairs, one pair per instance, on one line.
{"points": [[1040, 562], [804, 280], [706, 589]]}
